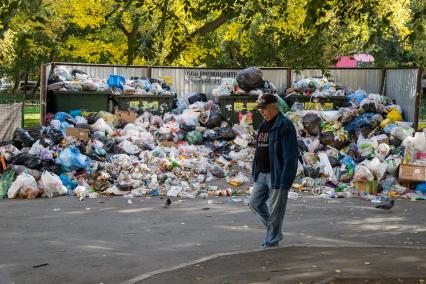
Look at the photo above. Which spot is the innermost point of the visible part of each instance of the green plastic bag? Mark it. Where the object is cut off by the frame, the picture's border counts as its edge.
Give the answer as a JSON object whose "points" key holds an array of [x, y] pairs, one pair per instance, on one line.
{"points": [[282, 105], [194, 137], [5, 182]]}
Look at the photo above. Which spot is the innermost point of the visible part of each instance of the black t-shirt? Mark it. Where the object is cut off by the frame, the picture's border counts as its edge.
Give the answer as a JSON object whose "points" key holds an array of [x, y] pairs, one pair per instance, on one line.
{"points": [[263, 164]]}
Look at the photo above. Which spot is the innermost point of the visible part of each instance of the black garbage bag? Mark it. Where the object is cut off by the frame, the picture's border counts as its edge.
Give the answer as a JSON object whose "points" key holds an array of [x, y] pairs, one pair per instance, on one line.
{"points": [[50, 166], [21, 138], [250, 79], [92, 118], [215, 120], [5, 142], [226, 133], [30, 161], [36, 132], [76, 71], [312, 123], [198, 97], [109, 145], [370, 107], [328, 138]]}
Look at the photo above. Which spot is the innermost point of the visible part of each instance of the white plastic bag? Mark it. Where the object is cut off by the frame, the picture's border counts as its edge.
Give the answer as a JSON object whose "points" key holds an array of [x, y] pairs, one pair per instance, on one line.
{"points": [[362, 173], [420, 142], [52, 185], [377, 168], [325, 165], [81, 192], [129, 148], [402, 132], [8, 151], [102, 126], [366, 146], [392, 163], [174, 191], [22, 181], [382, 151]]}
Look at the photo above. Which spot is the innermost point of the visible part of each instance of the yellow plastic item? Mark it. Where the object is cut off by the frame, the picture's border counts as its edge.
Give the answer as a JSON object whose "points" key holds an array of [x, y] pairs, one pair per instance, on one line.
{"points": [[385, 122], [395, 115]]}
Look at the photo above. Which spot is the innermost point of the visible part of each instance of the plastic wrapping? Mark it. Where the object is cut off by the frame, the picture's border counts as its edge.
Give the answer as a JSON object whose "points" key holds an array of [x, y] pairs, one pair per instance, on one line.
{"points": [[72, 159]]}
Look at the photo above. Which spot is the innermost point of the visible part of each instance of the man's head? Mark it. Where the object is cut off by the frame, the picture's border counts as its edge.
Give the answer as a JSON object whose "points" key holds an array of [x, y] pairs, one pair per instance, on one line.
{"points": [[268, 106]]}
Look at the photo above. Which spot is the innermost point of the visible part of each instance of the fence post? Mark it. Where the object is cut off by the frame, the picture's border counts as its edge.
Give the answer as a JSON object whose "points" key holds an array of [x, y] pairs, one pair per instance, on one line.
{"points": [[418, 97]]}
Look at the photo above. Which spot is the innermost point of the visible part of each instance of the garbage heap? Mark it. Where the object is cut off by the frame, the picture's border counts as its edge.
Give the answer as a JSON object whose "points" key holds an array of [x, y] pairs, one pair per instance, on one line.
{"points": [[93, 154], [358, 149], [77, 80]]}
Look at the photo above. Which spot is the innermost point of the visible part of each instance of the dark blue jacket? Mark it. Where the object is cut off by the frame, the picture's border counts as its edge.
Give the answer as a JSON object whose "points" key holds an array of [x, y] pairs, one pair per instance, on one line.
{"points": [[283, 153]]}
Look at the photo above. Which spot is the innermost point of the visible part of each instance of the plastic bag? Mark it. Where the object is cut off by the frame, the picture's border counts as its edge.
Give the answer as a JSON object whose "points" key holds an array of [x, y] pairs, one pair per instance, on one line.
{"points": [[9, 151], [22, 181], [326, 167], [214, 120], [237, 180], [102, 126], [198, 97], [72, 159], [282, 105], [395, 115], [312, 123], [109, 118], [377, 168], [382, 151], [250, 78], [347, 168], [420, 142], [401, 132], [52, 185], [366, 147], [68, 183], [357, 97], [22, 138], [88, 85], [188, 121], [362, 173], [194, 137], [129, 148], [311, 143], [392, 164], [36, 149], [5, 182], [226, 133]]}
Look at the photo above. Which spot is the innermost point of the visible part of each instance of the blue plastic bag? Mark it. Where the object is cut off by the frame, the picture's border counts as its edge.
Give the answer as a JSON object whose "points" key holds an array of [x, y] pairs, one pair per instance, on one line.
{"points": [[358, 122], [116, 81], [61, 116], [71, 159], [421, 188], [357, 97], [68, 183]]}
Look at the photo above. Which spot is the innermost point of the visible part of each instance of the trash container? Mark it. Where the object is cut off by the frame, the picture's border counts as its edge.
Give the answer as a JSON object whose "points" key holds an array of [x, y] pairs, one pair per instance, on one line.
{"points": [[163, 103], [235, 107], [317, 103], [85, 100]]}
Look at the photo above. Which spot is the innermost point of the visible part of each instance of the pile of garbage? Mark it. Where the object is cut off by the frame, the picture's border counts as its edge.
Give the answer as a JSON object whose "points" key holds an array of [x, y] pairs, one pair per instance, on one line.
{"points": [[317, 87], [77, 80], [177, 154], [357, 149]]}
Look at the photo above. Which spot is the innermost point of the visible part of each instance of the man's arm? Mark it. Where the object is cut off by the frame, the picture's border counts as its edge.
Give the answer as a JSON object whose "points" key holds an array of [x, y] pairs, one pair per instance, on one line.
{"points": [[290, 157]]}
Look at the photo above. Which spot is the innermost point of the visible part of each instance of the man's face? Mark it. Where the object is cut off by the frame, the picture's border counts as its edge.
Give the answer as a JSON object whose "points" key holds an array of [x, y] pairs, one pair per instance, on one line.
{"points": [[268, 112]]}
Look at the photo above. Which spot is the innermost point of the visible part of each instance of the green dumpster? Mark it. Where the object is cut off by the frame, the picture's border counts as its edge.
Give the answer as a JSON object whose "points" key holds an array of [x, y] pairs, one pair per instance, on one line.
{"points": [[65, 101]]}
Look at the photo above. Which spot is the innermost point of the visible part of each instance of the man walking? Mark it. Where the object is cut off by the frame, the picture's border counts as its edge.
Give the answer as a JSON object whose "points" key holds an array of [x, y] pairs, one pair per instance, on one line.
{"points": [[274, 168]]}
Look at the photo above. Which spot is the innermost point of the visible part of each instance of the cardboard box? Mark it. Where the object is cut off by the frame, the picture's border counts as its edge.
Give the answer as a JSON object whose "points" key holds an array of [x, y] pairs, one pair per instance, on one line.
{"points": [[80, 133], [127, 116], [408, 172], [169, 144], [370, 187]]}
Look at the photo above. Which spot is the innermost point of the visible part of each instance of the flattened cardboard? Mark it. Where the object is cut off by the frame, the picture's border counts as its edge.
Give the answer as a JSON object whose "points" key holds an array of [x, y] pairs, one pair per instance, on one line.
{"points": [[127, 116], [80, 133]]}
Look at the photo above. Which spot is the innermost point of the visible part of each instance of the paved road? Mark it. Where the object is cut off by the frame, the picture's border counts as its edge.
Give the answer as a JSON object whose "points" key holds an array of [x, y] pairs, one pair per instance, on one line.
{"points": [[108, 240]]}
